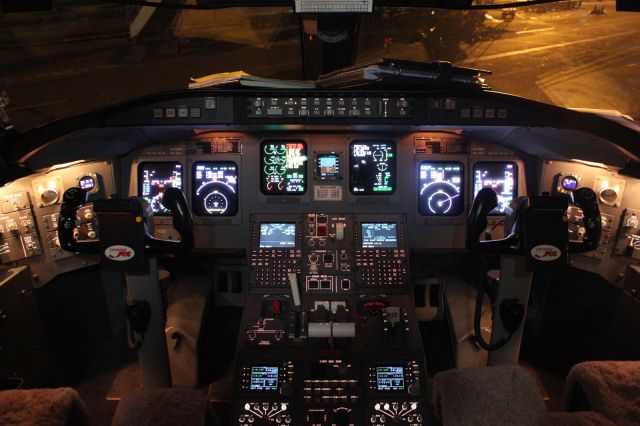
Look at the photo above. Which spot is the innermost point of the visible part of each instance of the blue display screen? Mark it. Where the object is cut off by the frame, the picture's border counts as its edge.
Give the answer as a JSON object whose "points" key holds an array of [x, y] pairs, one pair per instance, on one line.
{"points": [[277, 235], [569, 183], [328, 165], [390, 378], [379, 235], [264, 378]]}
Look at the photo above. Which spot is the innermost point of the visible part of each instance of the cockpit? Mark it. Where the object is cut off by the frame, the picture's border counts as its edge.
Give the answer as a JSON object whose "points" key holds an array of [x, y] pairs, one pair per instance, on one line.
{"points": [[413, 249]]}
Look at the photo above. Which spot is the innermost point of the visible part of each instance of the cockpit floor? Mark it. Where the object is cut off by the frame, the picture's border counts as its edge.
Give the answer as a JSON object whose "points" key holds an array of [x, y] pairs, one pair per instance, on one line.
{"points": [[114, 373]]}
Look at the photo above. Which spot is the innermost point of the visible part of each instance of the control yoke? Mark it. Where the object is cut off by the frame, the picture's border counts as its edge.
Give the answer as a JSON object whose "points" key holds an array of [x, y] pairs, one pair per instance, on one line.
{"points": [[123, 227], [533, 222], [535, 227]]}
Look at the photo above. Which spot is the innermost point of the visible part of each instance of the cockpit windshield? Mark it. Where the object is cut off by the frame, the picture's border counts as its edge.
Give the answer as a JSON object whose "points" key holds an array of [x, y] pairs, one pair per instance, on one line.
{"points": [[84, 55]]}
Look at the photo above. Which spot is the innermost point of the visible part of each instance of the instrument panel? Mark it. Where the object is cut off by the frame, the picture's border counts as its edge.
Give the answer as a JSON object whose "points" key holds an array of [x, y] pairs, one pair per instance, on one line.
{"points": [[290, 166], [227, 176]]}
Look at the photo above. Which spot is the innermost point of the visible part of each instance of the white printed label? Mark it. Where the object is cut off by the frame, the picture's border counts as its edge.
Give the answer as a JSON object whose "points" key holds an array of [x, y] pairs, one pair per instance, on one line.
{"points": [[546, 253], [119, 253], [327, 193]]}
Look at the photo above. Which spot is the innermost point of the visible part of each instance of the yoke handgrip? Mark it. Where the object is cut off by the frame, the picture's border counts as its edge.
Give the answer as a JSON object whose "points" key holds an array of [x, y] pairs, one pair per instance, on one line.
{"points": [[586, 200], [174, 200], [483, 203], [72, 200]]}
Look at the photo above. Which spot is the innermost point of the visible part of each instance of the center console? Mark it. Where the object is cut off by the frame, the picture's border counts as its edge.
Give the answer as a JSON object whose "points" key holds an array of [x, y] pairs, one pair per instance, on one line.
{"points": [[329, 335]]}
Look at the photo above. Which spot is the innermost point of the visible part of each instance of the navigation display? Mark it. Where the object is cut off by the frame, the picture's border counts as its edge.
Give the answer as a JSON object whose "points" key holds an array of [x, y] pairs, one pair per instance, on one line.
{"points": [[264, 378], [283, 167], [379, 235], [441, 190], [328, 165], [156, 176], [501, 176], [390, 378], [372, 167], [215, 188], [277, 235]]}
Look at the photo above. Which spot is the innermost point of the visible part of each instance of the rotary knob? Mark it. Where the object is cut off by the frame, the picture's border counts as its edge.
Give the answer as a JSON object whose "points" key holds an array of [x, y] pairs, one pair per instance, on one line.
{"points": [[286, 389], [414, 388]]}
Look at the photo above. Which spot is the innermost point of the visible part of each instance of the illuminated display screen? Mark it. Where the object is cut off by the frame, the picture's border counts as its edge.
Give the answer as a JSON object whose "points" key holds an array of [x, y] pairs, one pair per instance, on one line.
{"points": [[156, 176], [88, 183], [441, 190], [264, 378], [379, 235], [501, 176], [390, 378], [277, 235], [372, 167], [328, 165], [215, 188], [569, 183], [284, 167]]}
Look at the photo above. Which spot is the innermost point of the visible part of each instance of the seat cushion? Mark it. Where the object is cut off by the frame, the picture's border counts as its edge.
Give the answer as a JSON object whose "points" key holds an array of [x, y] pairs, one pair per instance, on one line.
{"points": [[610, 388], [54, 407], [171, 407], [501, 395]]}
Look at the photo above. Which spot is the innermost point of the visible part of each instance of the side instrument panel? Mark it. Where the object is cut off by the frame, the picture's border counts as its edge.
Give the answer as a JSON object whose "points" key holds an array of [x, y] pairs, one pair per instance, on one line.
{"points": [[617, 259], [29, 218]]}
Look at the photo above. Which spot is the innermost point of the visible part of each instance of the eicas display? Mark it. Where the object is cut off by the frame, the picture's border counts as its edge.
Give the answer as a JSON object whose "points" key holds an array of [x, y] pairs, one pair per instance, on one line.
{"points": [[154, 178], [372, 167], [215, 188], [501, 176], [283, 167], [441, 192]]}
